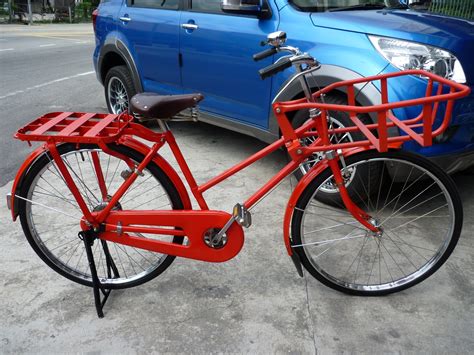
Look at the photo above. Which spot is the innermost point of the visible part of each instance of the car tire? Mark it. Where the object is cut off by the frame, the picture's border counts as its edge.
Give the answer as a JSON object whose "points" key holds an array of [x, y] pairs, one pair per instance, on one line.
{"points": [[470, 170], [119, 89], [339, 119]]}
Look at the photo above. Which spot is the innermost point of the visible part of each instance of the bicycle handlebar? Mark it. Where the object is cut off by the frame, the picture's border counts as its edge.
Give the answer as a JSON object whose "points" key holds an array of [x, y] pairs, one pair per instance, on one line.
{"points": [[279, 66], [297, 58], [264, 54]]}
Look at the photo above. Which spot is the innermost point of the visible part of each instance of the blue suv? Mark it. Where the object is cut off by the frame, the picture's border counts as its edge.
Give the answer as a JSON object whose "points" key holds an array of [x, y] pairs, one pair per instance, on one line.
{"points": [[181, 46]]}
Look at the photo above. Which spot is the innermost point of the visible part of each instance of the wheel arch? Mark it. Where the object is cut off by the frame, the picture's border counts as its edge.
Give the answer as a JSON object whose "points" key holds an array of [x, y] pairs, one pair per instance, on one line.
{"points": [[366, 95], [114, 52]]}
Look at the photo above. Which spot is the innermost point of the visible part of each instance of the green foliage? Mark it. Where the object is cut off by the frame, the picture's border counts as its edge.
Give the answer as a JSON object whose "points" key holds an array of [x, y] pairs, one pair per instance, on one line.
{"points": [[83, 11]]}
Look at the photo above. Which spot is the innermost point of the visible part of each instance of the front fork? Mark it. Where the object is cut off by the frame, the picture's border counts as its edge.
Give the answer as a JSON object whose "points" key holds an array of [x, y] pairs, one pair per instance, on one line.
{"points": [[333, 157]]}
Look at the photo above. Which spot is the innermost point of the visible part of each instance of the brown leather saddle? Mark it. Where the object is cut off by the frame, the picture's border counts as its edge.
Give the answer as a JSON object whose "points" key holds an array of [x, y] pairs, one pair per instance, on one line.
{"points": [[149, 105]]}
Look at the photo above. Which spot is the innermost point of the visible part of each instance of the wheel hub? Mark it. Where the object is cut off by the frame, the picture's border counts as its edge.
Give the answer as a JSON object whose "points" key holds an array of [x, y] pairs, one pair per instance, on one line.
{"points": [[102, 205], [376, 223]]}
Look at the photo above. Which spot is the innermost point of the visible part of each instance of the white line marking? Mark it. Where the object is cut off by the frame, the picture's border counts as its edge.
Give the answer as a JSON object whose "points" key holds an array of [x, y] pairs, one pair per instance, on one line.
{"points": [[47, 45], [53, 37], [46, 84], [6, 49]]}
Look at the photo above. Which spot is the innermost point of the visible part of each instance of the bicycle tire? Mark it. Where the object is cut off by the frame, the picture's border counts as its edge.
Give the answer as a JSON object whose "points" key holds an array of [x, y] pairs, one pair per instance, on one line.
{"points": [[398, 260], [48, 245]]}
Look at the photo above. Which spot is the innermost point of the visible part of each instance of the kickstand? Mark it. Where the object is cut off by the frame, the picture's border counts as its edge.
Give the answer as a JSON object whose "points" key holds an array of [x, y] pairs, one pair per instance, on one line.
{"points": [[88, 237]]}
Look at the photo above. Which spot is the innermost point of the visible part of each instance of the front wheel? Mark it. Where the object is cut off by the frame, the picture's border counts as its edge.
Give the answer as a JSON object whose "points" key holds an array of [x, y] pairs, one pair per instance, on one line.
{"points": [[416, 207], [50, 216]]}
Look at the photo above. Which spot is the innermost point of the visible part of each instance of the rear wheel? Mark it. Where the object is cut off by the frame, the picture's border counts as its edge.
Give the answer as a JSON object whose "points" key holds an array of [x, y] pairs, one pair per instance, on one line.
{"points": [[50, 215], [415, 205], [119, 89]]}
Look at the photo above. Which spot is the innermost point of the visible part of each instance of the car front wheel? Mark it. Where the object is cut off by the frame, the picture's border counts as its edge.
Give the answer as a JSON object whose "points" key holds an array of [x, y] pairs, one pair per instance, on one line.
{"points": [[353, 177]]}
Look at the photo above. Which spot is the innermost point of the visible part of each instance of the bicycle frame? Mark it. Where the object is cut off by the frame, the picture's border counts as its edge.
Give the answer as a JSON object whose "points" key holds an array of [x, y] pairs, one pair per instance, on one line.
{"points": [[114, 225], [103, 129]]}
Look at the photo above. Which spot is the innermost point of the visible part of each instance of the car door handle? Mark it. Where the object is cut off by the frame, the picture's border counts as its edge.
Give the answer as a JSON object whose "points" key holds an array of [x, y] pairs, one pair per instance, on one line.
{"points": [[189, 26], [125, 18]]}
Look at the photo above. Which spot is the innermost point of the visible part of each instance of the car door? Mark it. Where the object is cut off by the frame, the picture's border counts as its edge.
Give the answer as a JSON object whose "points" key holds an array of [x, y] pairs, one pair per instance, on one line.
{"points": [[151, 31], [217, 51]]}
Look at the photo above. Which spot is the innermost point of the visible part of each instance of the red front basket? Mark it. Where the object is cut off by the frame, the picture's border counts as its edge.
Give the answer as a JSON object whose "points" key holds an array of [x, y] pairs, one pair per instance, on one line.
{"points": [[419, 128]]}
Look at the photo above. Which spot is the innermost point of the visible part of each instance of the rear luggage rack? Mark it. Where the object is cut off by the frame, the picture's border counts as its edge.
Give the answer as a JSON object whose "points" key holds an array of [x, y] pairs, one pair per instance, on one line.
{"points": [[75, 127]]}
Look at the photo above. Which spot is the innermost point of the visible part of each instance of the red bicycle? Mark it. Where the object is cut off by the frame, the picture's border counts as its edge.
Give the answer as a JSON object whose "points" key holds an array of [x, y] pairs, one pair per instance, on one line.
{"points": [[105, 210]]}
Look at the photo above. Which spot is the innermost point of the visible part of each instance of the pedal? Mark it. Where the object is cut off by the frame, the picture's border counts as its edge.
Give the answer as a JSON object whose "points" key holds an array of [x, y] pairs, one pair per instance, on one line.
{"points": [[242, 216]]}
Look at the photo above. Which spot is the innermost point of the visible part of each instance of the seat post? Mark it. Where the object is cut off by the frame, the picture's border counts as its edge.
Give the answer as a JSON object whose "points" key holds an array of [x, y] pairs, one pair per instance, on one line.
{"points": [[163, 125]]}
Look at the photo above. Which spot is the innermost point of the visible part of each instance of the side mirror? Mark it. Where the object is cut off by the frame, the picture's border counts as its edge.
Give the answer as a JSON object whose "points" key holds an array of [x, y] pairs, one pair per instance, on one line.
{"points": [[245, 7]]}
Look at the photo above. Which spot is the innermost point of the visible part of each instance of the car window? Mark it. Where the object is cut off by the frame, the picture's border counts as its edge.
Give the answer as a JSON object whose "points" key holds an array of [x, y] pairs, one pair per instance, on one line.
{"points": [[324, 5], [157, 4], [215, 5], [206, 5]]}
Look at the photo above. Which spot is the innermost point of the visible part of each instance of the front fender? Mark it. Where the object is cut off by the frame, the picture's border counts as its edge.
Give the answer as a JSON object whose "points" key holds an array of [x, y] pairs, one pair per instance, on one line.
{"points": [[125, 140], [300, 187]]}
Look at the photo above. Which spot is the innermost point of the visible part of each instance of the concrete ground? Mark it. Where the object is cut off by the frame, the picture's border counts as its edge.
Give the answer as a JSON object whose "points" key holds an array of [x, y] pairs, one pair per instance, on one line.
{"points": [[255, 303]]}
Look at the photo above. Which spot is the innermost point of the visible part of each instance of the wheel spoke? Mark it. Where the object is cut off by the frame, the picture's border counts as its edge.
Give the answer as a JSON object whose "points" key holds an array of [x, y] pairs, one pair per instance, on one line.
{"points": [[330, 240], [56, 238], [419, 217]]}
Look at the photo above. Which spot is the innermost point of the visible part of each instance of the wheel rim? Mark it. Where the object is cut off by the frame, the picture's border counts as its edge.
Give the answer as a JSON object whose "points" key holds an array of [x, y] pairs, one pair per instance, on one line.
{"points": [[117, 93], [54, 229], [330, 186], [416, 214]]}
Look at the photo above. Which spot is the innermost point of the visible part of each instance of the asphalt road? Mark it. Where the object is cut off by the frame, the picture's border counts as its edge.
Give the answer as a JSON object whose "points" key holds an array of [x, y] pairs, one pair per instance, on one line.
{"points": [[43, 69]]}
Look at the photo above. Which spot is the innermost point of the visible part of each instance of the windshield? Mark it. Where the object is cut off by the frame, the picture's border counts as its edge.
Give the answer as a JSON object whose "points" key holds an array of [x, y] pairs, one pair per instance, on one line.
{"points": [[331, 5]]}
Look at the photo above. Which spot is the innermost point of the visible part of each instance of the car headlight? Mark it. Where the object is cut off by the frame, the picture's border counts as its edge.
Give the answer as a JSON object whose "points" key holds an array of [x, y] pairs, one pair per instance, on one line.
{"points": [[410, 55]]}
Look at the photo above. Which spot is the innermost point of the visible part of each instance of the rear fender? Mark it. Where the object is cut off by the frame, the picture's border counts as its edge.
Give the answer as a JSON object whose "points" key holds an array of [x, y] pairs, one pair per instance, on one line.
{"points": [[20, 176], [125, 140]]}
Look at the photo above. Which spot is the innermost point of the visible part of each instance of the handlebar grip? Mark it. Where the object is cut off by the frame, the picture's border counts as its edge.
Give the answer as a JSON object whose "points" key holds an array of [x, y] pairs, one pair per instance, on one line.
{"points": [[274, 68], [264, 54]]}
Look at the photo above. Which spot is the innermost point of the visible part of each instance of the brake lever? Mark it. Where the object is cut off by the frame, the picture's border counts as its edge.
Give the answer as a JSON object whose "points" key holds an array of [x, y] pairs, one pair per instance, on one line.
{"points": [[292, 50], [285, 56]]}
